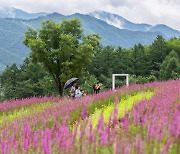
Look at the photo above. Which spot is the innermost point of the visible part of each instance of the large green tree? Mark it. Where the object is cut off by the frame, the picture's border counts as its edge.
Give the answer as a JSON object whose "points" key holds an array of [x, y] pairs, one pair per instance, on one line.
{"points": [[170, 68], [109, 60], [121, 60], [9, 80], [61, 48], [157, 54], [139, 61], [35, 81], [28, 80], [174, 44]]}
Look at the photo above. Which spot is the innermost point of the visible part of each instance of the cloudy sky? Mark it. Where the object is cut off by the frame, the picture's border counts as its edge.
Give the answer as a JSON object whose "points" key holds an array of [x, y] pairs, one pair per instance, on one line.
{"points": [[139, 11]]}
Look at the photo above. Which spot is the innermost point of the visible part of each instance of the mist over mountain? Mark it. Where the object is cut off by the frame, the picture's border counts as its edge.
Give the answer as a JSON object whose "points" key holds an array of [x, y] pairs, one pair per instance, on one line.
{"points": [[123, 23], [113, 29], [119, 21]]}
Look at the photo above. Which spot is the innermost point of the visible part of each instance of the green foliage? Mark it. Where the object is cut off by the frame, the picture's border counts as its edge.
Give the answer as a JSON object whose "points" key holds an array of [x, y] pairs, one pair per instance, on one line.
{"points": [[143, 63], [174, 44], [108, 60], [27, 81], [158, 52], [101, 62], [170, 68], [12, 34], [9, 81], [87, 83], [62, 49], [139, 61], [141, 79]]}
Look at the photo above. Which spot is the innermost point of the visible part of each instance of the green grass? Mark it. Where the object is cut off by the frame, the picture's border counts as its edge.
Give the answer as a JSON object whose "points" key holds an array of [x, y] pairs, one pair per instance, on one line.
{"points": [[125, 104], [12, 115]]}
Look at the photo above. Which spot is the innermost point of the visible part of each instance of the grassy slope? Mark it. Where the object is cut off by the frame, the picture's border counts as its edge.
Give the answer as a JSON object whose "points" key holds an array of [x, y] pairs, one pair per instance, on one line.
{"points": [[124, 105]]}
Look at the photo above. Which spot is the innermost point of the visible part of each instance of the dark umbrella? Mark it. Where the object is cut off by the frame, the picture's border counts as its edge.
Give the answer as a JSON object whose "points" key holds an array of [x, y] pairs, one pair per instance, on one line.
{"points": [[70, 82]]}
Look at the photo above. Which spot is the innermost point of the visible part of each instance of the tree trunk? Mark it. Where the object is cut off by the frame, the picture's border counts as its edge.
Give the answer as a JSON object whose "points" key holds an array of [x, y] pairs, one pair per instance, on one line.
{"points": [[59, 86], [60, 89]]}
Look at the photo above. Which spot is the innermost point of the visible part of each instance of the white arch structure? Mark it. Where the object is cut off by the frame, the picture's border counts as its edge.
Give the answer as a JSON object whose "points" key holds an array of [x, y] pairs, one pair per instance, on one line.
{"points": [[113, 79]]}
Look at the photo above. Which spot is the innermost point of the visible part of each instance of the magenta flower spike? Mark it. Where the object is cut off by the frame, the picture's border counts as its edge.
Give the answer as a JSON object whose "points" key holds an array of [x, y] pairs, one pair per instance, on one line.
{"points": [[167, 146], [100, 125], [65, 126]]}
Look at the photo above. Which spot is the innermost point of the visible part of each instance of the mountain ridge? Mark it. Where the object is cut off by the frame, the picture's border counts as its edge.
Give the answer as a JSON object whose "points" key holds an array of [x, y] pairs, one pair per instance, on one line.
{"points": [[12, 49], [114, 19], [11, 12]]}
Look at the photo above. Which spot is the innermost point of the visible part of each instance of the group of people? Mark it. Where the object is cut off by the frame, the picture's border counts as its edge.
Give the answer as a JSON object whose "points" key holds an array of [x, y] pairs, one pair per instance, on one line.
{"points": [[76, 91], [97, 88]]}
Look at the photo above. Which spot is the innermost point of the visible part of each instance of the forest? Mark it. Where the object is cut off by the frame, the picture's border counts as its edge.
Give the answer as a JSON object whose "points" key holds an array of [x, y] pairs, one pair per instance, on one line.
{"points": [[145, 63]]}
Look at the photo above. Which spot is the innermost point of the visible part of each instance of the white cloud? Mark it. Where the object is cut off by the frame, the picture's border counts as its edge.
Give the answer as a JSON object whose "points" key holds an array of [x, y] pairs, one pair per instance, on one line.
{"points": [[7, 11], [112, 20], [139, 11]]}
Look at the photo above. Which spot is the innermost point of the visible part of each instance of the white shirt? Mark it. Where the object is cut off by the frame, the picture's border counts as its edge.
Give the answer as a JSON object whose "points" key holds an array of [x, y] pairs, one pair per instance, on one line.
{"points": [[73, 89], [78, 93]]}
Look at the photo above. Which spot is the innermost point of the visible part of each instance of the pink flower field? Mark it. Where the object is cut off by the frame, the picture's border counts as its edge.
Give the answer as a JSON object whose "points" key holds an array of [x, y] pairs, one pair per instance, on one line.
{"points": [[137, 119]]}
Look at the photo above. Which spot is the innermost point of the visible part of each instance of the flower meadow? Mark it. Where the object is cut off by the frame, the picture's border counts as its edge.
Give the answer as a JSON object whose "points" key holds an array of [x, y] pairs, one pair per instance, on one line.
{"points": [[135, 119]]}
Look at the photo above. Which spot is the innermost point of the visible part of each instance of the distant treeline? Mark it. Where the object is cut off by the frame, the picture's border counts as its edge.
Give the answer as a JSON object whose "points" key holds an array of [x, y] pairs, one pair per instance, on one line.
{"points": [[158, 61]]}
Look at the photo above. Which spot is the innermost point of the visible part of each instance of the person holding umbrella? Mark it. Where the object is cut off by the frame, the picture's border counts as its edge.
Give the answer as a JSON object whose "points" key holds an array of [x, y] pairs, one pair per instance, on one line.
{"points": [[73, 90], [71, 83], [78, 93]]}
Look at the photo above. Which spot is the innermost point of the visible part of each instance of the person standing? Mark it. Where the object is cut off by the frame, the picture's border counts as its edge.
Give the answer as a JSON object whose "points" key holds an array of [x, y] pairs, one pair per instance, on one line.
{"points": [[73, 89], [78, 93], [96, 88]]}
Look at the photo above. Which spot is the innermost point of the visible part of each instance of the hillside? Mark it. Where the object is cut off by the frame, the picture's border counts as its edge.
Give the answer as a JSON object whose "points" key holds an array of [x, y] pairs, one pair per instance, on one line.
{"points": [[141, 118], [167, 31], [12, 32], [119, 21], [123, 23], [10, 12]]}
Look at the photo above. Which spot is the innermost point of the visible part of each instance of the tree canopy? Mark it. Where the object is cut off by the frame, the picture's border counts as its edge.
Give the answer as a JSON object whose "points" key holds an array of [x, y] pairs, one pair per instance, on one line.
{"points": [[61, 48], [170, 68], [158, 51]]}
